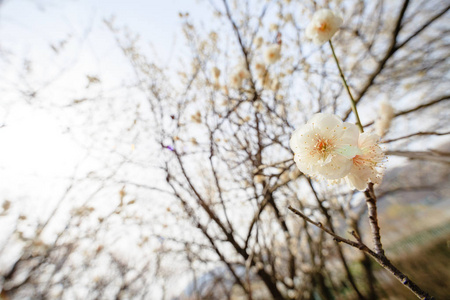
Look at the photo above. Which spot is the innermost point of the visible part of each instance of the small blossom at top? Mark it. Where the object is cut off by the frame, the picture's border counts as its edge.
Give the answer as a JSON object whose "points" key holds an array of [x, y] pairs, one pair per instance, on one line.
{"points": [[272, 54], [366, 165], [325, 146], [323, 26]]}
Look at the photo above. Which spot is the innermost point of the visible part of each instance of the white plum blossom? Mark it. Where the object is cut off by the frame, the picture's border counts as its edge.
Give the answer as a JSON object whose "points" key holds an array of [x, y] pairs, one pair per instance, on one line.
{"points": [[272, 54], [366, 165], [323, 26], [325, 146]]}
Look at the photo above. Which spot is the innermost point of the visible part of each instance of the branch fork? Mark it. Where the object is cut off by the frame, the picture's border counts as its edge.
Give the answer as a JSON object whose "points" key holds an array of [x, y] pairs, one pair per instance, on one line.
{"points": [[378, 253]]}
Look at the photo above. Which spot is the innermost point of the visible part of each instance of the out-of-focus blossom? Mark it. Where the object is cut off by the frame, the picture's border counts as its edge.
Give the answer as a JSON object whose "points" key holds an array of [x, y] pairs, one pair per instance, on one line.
{"points": [[323, 26], [194, 141], [325, 146], [366, 165], [275, 85], [258, 105], [197, 117], [258, 41], [216, 73], [260, 69], [385, 116], [259, 178], [213, 36], [272, 54], [238, 76], [288, 18]]}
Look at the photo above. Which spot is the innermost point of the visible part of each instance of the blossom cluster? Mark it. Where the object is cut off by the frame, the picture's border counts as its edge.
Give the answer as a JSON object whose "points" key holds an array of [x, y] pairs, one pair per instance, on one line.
{"points": [[330, 148]]}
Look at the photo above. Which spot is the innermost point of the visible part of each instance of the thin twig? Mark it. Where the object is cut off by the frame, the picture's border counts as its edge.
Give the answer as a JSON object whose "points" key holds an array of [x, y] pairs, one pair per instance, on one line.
{"points": [[419, 107], [421, 133], [336, 237], [352, 100], [424, 155], [388, 54]]}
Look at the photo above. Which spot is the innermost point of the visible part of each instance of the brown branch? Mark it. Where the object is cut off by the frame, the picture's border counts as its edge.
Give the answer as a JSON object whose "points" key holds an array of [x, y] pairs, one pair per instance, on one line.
{"points": [[421, 133], [443, 98], [424, 155], [422, 106], [371, 202], [191, 213], [338, 246], [336, 237], [424, 26], [380, 258]]}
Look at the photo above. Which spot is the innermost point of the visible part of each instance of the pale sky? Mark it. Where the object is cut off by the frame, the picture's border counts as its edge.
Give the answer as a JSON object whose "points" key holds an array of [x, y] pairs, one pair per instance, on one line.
{"points": [[37, 155], [34, 144]]}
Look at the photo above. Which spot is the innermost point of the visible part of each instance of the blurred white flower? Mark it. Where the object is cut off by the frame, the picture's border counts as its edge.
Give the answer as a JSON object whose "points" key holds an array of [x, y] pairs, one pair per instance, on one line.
{"points": [[385, 116], [366, 165], [260, 69], [288, 18], [213, 36], [194, 141], [259, 178], [238, 76], [258, 105], [275, 84], [272, 54], [325, 146], [216, 73], [258, 41], [197, 117], [323, 26]]}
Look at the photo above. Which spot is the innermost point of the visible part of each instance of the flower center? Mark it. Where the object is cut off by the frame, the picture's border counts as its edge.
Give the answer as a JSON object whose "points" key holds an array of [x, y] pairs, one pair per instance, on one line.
{"points": [[358, 160], [366, 160], [323, 26], [323, 145]]}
